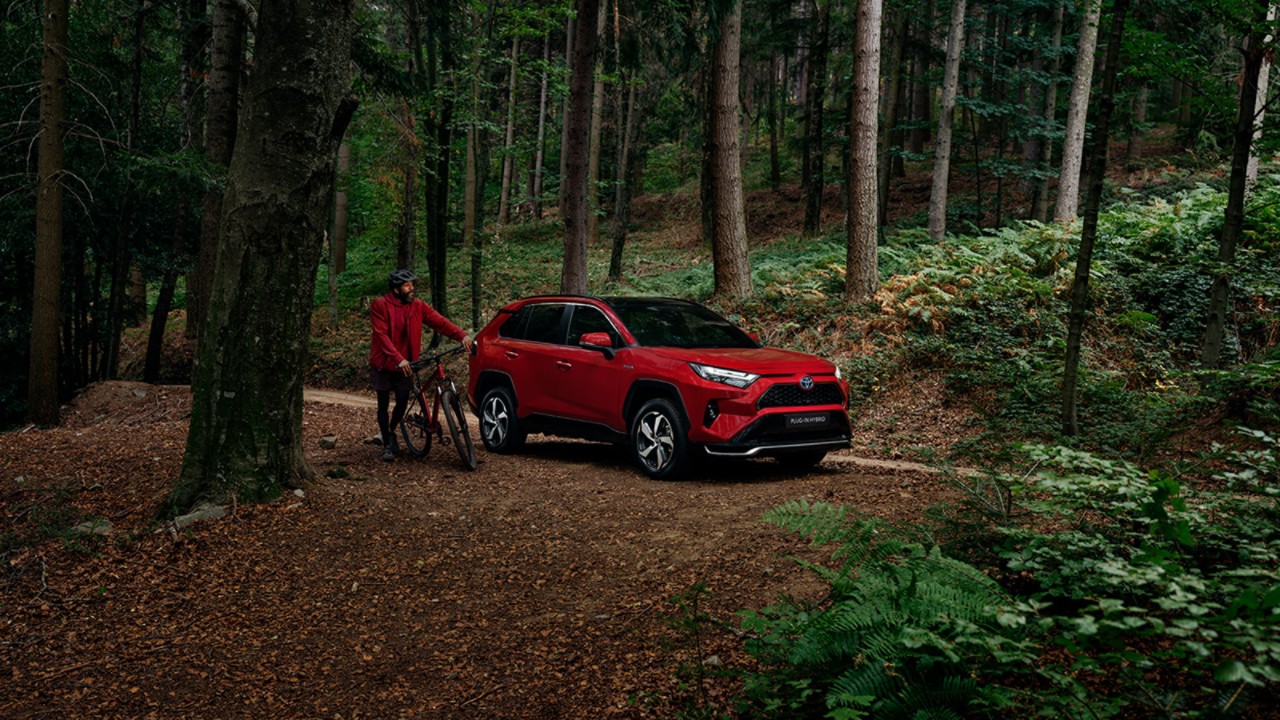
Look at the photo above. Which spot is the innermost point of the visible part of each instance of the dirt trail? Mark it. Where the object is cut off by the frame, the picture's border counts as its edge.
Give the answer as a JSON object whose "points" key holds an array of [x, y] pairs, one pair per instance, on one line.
{"points": [[542, 585]]}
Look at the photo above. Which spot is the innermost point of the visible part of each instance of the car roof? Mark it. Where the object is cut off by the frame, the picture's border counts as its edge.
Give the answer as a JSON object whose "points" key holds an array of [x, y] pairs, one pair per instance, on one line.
{"points": [[614, 301]]}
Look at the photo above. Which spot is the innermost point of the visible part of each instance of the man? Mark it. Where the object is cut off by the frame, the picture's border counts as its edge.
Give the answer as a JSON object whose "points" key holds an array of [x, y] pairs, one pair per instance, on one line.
{"points": [[397, 320]]}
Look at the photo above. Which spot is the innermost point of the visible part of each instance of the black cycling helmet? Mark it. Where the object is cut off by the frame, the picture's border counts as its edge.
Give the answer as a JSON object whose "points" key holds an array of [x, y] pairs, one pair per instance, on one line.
{"points": [[400, 277]]}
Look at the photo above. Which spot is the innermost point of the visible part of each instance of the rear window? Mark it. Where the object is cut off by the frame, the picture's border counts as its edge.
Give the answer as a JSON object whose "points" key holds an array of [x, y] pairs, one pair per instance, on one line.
{"points": [[544, 323]]}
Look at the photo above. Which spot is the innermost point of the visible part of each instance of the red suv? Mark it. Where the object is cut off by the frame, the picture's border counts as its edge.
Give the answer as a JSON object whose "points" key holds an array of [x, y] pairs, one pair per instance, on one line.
{"points": [[668, 377]]}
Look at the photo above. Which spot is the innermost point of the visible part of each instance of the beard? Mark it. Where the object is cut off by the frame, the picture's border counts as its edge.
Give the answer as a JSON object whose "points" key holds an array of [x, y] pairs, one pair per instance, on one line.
{"points": [[404, 298]]}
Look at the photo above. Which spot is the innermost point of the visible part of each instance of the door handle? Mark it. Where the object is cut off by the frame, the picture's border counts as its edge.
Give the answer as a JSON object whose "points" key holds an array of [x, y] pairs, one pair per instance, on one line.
{"points": [[564, 364], [511, 354]]}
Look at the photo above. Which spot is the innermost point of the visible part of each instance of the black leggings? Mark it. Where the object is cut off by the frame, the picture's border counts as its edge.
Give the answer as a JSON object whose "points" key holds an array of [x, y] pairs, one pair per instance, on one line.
{"points": [[387, 426]]}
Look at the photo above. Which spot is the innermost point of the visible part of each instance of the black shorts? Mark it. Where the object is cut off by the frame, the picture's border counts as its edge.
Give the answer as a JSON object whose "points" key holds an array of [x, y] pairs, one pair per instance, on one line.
{"points": [[389, 380]]}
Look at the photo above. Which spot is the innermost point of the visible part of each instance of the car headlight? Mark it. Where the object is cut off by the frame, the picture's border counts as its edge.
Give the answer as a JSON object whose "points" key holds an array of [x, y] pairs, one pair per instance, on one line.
{"points": [[736, 378], [838, 375]]}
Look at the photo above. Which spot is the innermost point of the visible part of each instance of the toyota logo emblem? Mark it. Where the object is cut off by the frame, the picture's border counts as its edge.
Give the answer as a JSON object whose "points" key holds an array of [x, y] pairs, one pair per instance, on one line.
{"points": [[806, 383]]}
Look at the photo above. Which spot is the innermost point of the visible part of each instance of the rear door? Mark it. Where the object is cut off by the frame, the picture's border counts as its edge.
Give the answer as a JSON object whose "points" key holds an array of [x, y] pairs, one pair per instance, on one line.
{"points": [[529, 355]]}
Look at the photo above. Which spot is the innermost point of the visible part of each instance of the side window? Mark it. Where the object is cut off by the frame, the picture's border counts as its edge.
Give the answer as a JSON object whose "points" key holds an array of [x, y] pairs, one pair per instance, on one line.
{"points": [[544, 324], [588, 319], [514, 325]]}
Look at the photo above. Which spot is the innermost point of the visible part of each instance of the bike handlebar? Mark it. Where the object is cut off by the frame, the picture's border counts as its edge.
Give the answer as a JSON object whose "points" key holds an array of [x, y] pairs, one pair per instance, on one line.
{"points": [[428, 361]]}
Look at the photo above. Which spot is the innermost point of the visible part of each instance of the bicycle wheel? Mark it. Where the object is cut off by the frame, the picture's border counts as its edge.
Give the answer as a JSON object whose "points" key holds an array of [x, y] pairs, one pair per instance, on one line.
{"points": [[415, 428], [458, 428]]}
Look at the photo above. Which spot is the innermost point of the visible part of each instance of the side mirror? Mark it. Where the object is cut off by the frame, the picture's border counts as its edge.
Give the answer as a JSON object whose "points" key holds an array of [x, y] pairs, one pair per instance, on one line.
{"points": [[597, 341]]}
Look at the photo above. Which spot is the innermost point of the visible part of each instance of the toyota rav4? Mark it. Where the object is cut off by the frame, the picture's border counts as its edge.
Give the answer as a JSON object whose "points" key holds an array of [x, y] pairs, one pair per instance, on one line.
{"points": [[668, 377]]}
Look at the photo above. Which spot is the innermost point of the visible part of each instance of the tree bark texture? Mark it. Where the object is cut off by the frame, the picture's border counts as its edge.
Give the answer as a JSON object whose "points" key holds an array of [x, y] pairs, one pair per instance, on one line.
{"points": [[862, 274], [1077, 114], [509, 142], [597, 126], [622, 193], [1040, 196], [815, 155], [724, 221], [1089, 224], [1260, 110], [246, 419], [573, 276], [43, 402], [946, 109], [893, 91], [570, 32], [921, 96], [539, 158], [226, 53], [1215, 332]]}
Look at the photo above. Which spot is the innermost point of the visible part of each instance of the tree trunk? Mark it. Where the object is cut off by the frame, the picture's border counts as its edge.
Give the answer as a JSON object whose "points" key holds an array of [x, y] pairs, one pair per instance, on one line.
{"points": [[814, 150], [509, 142], [245, 438], [921, 99], [570, 35], [573, 276], [1077, 112], [942, 148], [1040, 198], [1260, 111], [622, 194], [540, 153], [43, 400], [1138, 117], [340, 210], [440, 69], [1255, 53], [724, 222], [861, 271], [226, 52], [406, 234], [597, 124], [775, 165], [893, 88], [1089, 223], [194, 36], [135, 306]]}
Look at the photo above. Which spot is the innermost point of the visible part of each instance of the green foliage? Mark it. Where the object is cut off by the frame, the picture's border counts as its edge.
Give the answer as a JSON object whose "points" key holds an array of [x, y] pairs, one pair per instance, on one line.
{"points": [[1138, 574], [902, 632]]}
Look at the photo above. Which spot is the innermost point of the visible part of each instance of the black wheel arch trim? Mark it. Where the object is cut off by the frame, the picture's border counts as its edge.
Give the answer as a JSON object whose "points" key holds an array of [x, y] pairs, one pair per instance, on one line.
{"points": [[664, 389], [489, 379]]}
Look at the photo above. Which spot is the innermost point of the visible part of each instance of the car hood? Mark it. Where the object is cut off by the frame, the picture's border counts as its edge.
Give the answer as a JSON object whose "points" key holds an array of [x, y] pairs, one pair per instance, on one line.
{"points": [[762, 361]]}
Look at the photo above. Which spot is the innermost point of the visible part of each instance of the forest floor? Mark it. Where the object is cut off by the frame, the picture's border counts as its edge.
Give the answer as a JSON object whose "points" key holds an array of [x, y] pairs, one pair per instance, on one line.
{"points": [[539, 586], [556, 583]]}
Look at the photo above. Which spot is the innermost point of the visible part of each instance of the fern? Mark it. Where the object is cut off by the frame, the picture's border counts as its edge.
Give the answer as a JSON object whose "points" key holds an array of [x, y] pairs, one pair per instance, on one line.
{"points": [[901, 624]]}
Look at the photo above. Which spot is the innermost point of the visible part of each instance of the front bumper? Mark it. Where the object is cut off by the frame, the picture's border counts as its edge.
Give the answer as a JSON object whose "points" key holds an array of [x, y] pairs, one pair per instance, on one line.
{"points": [[780, 433]]}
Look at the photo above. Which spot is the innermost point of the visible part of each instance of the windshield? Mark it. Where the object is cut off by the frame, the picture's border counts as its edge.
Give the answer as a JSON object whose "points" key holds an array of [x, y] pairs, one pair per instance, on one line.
{"points": [[674, 323]]}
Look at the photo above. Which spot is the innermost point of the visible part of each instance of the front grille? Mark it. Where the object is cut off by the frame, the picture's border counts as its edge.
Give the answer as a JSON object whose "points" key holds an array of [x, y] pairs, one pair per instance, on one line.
{"points": [[794, 396]]}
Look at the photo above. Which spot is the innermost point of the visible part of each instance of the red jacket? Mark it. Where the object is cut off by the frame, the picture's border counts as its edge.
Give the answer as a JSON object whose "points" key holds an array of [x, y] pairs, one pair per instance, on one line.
{"points": [[397, 330]]}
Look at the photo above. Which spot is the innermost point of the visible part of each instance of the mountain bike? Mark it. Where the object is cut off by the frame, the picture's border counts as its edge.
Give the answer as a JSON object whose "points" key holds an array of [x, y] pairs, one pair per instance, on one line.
{"points": [[422, 420]]}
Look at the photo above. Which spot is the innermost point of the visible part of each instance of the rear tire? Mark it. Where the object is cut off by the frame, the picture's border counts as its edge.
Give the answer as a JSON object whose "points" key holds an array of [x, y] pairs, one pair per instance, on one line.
{"points": [[660, 440], [415, 428], [500, 429], [458, 429]]}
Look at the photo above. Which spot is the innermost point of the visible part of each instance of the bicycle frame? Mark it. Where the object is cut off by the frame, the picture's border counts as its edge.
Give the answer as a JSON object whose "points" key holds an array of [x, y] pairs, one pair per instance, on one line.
{"points": [[420, 424]]}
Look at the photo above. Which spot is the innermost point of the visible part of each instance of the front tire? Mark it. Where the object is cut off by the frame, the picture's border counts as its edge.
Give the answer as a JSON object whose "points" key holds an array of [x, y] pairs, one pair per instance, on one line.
{"points": [[660, 440], [458, 429], [500, 429]]}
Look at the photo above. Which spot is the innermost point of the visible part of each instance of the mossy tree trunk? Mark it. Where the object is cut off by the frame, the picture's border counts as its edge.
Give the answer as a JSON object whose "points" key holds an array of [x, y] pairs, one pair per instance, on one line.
{"points": [[246, 418]]}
